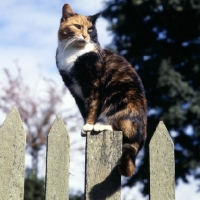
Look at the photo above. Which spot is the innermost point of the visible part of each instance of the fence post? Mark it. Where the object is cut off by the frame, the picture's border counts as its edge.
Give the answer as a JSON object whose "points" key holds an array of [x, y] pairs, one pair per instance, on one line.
{"points": [[102, 180], [57, 165], [12, 157], [162, 165]]}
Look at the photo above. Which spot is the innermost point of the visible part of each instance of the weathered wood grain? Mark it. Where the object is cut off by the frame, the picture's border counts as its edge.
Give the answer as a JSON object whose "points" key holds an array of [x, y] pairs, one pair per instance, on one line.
{"points": [[162, 165], [57, 167], [12, 157], [102, 180]]}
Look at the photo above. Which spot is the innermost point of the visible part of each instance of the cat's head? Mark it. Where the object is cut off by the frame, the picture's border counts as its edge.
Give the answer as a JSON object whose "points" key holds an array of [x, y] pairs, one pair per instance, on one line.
{"points": [[77, 30]]}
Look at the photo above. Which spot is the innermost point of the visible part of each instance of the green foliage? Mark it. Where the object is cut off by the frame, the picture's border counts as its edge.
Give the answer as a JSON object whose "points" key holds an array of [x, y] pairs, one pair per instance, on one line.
{"points": [[34, 188], [161, 39]]}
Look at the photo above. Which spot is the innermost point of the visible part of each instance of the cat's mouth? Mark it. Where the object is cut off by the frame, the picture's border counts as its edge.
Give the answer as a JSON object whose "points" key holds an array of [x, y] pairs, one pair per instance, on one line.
{"points": [[80, 42]]}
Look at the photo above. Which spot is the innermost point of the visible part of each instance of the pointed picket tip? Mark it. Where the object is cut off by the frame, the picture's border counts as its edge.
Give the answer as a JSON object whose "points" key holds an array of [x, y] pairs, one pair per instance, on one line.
{"points": [[12, 147], [161, 132], [13, 117], [58, 127], [57, 161], [14, 110], [162, 167]]}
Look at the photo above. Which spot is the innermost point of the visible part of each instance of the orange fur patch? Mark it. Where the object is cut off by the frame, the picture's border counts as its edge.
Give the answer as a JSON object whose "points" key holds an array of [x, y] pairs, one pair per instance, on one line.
{"points": [[126, 166], [67, 28], [127, 127]]}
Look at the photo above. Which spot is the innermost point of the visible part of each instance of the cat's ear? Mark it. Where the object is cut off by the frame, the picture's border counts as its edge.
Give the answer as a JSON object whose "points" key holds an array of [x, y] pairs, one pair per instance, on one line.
{"points": [[67, 12], [93, 18]]}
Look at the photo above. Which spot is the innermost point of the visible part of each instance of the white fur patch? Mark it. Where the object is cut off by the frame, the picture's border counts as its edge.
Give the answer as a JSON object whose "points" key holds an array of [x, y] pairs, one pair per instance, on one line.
{"points": [[102, 127], [67, 57], [77, 89], [86, 128]]}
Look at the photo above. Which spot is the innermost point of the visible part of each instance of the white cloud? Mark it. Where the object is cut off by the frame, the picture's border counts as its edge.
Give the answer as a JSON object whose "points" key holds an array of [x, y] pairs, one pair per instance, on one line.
{"points": [[29, 32], [186, 191]]}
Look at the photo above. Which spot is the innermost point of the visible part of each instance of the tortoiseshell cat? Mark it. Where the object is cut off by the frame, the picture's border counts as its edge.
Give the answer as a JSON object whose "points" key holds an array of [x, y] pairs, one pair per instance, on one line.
{"points": [[106, 88]]}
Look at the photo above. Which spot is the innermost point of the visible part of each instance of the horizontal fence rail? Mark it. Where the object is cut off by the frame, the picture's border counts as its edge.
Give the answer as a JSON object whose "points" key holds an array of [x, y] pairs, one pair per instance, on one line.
{"points": [[103, 150]]}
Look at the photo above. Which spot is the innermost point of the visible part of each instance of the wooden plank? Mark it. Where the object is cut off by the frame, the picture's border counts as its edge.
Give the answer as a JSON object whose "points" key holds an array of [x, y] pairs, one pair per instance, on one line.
{"points": [[57, 166], [12, 157], [162, 168], [103, 180]]}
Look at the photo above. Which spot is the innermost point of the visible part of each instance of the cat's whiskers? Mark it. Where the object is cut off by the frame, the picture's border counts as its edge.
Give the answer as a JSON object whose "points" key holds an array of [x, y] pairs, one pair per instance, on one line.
{"points": [[116, 94], [68, 42], [100, 51], [73, 42]]}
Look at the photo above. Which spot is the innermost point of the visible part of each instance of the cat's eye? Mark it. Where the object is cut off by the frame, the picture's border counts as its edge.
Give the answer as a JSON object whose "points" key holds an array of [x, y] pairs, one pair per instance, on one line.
{"points": [[90, 30], [77, 26]]}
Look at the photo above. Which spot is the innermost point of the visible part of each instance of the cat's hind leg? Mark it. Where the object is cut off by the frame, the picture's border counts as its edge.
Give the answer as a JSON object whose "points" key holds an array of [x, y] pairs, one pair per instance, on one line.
{"points": [[126, 164], [133, 139]]}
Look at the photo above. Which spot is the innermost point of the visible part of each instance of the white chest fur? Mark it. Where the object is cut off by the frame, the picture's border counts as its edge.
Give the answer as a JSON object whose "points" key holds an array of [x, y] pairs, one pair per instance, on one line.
{"points": [[67, 57]]}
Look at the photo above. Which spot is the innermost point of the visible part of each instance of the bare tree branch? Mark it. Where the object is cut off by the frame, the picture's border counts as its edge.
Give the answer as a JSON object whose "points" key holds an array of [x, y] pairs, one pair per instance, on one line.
{"points": [[37, 107]]}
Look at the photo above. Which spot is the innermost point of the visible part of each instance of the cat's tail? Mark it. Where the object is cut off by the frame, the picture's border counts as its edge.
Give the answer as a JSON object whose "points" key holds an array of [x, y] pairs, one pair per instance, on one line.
{"points": [[134, 134], [126, 164]]}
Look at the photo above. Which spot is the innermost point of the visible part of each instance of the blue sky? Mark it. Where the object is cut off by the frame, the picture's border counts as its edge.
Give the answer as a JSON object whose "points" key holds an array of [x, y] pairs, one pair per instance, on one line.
{"points": [[28, 34]]}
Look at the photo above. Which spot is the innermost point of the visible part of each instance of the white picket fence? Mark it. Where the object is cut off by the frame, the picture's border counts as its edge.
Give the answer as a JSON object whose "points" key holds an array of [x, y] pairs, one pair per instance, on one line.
{"points": [[102, 180]]}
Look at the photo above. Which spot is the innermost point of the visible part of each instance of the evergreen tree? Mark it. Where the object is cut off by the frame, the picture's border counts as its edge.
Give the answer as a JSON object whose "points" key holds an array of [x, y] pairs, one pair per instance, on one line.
{"points": [[161, 39]]}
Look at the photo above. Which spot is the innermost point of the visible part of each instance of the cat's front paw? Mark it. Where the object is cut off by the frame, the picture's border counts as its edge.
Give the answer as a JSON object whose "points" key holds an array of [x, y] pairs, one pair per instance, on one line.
{"points": [[86, 128], [102, 127]]}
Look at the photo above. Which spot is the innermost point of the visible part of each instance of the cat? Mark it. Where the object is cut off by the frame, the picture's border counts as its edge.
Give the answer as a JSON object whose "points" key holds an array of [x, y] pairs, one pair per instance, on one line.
{"points": [[106, 88]]}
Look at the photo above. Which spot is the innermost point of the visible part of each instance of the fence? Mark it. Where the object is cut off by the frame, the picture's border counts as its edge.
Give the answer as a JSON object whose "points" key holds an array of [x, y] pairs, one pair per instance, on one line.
{"points": [[103, 150]]}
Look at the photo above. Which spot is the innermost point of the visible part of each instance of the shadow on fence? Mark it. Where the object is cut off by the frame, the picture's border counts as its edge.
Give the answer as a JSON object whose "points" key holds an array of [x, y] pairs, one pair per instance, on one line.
{"points": [[102, 180]]}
